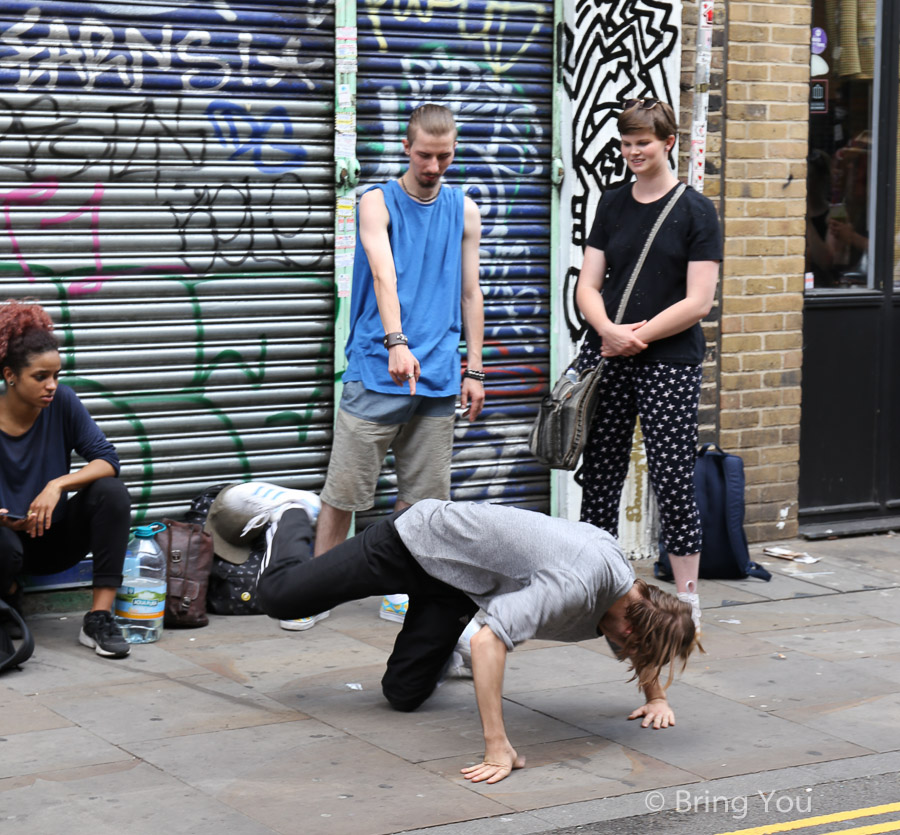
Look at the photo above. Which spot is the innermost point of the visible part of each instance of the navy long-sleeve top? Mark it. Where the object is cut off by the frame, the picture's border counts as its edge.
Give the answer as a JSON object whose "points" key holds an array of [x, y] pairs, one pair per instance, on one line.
{"points": [[44, 452]]}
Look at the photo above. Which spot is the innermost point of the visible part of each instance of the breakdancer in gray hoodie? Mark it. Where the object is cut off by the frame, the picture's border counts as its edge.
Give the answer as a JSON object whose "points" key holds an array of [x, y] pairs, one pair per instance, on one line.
{"points": [[532, 576]]}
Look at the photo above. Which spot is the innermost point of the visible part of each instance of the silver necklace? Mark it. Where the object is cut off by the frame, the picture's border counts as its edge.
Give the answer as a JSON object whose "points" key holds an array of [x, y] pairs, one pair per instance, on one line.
{"points": [[425, 200]]}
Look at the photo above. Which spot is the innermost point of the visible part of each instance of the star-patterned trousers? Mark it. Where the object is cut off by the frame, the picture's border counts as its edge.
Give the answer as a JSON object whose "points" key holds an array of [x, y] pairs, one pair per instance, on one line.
{"points": [[666, 397]]}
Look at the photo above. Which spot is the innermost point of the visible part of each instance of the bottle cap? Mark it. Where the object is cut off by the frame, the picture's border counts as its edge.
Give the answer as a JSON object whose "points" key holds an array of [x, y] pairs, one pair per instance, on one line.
{"points": [[147, 531]]}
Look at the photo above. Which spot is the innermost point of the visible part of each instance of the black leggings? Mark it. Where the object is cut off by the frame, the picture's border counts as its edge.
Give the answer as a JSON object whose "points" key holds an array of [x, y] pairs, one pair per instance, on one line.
{"points": [[376, 562], [666, 397], [97, 520]]}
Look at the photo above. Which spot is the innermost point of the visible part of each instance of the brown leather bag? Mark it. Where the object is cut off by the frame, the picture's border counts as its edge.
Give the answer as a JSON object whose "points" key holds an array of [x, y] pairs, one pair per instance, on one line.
{"points": [[189, 556]]}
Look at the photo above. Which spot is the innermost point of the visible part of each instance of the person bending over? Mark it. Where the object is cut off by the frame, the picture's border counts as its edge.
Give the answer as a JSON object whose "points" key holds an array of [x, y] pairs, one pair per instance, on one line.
{"points": [[532, 576]]}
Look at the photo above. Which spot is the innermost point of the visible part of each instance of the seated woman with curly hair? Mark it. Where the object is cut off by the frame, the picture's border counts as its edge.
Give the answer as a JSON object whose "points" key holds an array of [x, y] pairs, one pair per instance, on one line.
{"points": [[42, 529]]}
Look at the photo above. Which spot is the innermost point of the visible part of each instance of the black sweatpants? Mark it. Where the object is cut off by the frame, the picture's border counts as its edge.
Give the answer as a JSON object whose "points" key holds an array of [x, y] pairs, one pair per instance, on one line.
{"points": [[376, 562], [97, 520]]}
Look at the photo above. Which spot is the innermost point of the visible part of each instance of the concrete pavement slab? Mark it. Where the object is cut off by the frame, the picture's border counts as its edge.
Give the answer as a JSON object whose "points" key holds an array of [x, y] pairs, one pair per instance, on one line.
{"points": [[126, 713], [284, 660], [867, 720], [563, 665], [715, 737], [569, 771], [839, 642], [36, 752], [305, 777], [20, 714], [778, 681], [447, 723], [134, 798], [60, 662], [720, 642], [243, 728]]}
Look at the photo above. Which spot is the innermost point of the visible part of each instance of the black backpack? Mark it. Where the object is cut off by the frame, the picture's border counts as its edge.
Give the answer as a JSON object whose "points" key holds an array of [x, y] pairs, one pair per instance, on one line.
{"points": [[12, 656], [232, 588], [719, 487]]}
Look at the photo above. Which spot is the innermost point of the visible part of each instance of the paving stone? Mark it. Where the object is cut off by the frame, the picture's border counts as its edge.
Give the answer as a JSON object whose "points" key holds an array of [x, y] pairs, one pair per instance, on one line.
{"points": [[570, 771], [285, 659], [125, 713], [20, 714], [133, 797], [39, 751], [714, 737], [774, 615], [446, 725], [721, 642], [776, 681], [562, 666], [292, 780], [867, 720], [848, 640], [247, 729], [60, 662]]}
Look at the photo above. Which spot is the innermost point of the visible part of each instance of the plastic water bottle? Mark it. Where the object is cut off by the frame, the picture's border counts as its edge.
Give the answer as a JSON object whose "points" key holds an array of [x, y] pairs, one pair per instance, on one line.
{"points": [[141, 599]]}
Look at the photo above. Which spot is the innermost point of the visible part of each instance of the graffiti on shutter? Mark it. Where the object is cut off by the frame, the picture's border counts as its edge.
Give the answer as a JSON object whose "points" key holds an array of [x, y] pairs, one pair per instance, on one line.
{"points": [[166, 186], [492, 65]]}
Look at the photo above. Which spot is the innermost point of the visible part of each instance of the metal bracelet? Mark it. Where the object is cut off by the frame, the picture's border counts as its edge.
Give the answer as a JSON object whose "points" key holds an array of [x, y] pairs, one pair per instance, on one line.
{"points": [[472, 374]]}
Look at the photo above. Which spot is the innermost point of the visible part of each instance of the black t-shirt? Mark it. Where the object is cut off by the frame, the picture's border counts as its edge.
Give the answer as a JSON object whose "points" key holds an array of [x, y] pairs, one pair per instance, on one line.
{"points": [[689, 233]]}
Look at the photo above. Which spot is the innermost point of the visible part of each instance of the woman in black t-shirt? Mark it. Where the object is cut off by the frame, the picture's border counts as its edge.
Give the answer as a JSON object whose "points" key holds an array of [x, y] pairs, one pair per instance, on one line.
{"points": [[653, 359]]}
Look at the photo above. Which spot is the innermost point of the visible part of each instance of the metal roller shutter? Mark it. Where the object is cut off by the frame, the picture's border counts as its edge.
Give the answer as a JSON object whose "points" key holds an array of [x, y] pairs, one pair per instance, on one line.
{"points": [[166, 173], [493, 68]]}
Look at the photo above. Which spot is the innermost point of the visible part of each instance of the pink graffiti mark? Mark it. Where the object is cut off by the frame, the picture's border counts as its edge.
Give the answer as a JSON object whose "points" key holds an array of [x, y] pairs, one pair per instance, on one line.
{"points": [[41, 193], [90, 283]]}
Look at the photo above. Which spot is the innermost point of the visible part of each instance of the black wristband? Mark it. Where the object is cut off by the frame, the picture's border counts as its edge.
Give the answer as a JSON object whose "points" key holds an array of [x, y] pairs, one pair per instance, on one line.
{"points": [[395, 338], [472, 374]]}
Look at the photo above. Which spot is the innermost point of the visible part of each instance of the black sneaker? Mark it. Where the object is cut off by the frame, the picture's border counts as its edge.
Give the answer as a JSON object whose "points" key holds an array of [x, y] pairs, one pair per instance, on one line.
{"points": [[100, 632]]}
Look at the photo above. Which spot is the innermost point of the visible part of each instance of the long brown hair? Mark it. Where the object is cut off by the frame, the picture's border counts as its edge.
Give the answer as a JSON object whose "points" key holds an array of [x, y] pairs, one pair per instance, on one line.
{"points": [[662, 633]]}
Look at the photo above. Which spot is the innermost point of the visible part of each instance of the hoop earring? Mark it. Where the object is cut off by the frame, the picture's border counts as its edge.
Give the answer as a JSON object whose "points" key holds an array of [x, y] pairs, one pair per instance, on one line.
{"points": [[10, 383]]}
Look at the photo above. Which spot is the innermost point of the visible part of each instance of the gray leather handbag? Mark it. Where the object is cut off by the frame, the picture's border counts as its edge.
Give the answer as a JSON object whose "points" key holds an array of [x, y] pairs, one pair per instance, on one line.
{"points": [[565, 415]]}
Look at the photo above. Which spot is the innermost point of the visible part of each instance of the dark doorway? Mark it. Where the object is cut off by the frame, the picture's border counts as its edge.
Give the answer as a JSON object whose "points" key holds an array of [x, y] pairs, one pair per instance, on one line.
{"points": [[849, 438]]}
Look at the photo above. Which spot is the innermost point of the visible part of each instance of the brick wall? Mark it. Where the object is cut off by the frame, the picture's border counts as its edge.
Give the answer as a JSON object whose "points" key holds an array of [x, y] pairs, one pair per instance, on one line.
{"points": [[709, 393], [761, 308]]}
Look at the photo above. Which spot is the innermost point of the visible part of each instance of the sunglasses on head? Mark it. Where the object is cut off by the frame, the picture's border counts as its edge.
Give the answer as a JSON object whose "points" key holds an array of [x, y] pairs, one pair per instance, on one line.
{"points": [[646, 104]]}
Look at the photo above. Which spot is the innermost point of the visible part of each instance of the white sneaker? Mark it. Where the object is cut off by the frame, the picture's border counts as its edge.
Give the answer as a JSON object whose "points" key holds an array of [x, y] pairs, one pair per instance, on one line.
{"points": [[259, 499], [694, 599], [274, 517], [302, 624], [457, 668]]}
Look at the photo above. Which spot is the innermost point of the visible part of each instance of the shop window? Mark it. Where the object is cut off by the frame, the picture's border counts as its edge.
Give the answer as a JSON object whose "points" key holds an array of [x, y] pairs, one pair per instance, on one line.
{"points": [[840, 145]]}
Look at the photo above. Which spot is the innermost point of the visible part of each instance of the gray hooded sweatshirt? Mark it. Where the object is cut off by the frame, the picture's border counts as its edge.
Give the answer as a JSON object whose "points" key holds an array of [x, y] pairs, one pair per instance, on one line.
{"points": [[534, 576]]}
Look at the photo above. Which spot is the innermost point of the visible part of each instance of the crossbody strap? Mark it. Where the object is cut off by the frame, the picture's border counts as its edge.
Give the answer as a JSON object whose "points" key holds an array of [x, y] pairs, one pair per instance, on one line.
{"points": [[640, 262]]}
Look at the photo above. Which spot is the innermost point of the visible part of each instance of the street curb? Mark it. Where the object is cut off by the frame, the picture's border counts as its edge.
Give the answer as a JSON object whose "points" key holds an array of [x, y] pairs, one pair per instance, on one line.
{"points": [[636, 805]]}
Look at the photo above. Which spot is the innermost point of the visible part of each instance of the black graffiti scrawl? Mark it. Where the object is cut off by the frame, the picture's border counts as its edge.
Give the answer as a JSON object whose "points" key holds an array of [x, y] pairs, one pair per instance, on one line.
{"points": [[615, 50]]}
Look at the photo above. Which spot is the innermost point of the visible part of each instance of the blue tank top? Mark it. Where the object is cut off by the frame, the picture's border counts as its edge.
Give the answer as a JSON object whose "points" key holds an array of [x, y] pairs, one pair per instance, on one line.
{"points": [[426, 242]]}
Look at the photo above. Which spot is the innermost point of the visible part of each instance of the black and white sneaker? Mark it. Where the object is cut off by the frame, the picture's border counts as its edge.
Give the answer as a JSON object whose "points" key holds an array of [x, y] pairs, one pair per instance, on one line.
{"points": [[100, 632]]}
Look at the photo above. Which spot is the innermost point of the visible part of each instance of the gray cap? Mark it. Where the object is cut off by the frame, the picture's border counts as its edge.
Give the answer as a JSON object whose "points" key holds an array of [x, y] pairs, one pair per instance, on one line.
{"points": [[227, 520]]}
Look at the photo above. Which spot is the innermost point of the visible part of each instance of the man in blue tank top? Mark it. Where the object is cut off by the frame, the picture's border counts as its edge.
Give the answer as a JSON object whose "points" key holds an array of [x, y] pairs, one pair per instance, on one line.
{"points": [[415, 289]]}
